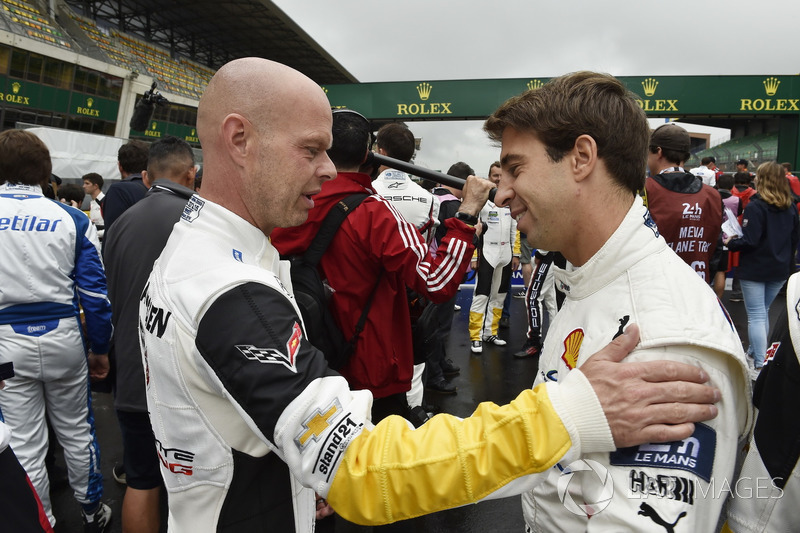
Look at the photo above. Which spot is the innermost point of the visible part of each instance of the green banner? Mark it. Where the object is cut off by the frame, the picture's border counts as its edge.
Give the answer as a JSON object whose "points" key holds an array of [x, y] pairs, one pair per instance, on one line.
{"points": [[85, 105], [36, 96], [159, 128], [661, 96], [156, 129]]}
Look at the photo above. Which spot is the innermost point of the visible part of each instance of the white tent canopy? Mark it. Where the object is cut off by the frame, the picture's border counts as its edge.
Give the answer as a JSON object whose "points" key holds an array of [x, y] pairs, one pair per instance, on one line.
{"points": [[75, 153]]}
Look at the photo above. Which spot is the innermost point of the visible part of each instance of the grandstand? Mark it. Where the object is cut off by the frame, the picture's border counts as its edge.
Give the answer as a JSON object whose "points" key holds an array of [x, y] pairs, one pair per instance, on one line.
{"points": [[82, 64], [755, 148]]}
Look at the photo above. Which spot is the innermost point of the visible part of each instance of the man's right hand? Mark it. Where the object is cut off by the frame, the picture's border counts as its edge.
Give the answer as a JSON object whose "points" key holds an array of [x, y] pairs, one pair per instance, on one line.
{"points": [[476, 193], [654, 401]]}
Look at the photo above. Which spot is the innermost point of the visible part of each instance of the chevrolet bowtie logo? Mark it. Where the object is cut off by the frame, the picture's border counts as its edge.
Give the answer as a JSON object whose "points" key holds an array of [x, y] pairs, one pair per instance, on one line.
{"points": [[771, 85], [534, 84], [317, 425], [649, 85], [424, 90]]}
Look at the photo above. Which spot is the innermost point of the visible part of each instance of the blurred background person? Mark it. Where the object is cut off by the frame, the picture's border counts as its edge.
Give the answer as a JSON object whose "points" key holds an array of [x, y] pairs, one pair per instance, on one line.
{"points": [[93, 186], [770, 236]]}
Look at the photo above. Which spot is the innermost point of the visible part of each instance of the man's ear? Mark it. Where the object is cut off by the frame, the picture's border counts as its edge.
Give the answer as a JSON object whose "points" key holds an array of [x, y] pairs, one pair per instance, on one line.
{"points": [[584, 156], [236, 135], [146, 179]]}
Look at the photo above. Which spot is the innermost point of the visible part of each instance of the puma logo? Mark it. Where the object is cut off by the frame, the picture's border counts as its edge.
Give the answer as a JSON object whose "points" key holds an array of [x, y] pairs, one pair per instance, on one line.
{"points": [[622, 323], [651, 513]]}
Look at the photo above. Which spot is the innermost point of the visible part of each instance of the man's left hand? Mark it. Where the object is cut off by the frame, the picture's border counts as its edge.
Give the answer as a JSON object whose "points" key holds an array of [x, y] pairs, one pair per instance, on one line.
{"points": [[98, 366]]}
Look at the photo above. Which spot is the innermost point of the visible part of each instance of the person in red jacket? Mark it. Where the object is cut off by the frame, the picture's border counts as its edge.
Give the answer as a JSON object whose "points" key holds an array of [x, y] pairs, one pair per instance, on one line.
{"points": [[375, 244]]}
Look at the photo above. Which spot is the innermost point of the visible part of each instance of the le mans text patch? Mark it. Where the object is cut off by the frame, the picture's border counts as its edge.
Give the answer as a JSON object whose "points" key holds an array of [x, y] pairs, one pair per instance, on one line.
{"points": [[694, 454]]}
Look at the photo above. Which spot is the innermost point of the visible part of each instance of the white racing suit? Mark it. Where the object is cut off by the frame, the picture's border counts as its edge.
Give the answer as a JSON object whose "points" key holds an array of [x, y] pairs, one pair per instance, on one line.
{"points": [[250, 422], [417, 205], [494, 274], [766, 497], [51, 264], [679, 486]]}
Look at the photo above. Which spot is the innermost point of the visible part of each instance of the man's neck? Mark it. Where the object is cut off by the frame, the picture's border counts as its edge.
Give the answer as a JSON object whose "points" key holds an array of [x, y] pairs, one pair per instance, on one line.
{"points": [[596, 225]]}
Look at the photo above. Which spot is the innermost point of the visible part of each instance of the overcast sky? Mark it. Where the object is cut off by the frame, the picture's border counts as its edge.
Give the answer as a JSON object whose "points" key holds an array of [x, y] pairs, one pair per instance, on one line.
{"points": [[426, 40]]}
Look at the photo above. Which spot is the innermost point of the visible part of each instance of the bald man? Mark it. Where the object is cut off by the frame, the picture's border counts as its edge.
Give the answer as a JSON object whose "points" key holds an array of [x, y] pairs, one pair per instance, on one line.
{"points": [[248, 419]]}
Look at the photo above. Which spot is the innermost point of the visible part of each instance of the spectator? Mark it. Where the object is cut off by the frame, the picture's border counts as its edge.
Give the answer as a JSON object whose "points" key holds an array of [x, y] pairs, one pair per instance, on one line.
{"points": [[492, 264], [51, 264], [132, 160], [133, 245], [705, 172], [239, 399], [721, 261], [71, 195], [743, 191], [573, 155], [688, 213], [712, 164], [375, 244], [771, 232], [741, 166], [93, 186], [51, 187]]}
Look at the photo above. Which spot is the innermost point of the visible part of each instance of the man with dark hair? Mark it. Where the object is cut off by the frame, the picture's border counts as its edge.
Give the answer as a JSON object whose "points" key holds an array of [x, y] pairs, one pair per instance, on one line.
{"points": [[741, 165], [93, 186], [132, 246], [71, 194], [249, 419], [131, 160], [688, 213], [376, 244], [51, 269], [396, 140], [705, 172], [573, 156]]}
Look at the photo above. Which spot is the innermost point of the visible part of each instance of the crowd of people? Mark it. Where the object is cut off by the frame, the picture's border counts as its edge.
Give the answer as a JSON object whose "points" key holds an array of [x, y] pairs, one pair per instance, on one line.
{"points": [[181, 297]]}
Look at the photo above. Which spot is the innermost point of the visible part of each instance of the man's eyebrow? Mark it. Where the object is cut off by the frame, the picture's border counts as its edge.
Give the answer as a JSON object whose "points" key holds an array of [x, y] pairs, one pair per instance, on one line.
{"points": [[510, 158]]}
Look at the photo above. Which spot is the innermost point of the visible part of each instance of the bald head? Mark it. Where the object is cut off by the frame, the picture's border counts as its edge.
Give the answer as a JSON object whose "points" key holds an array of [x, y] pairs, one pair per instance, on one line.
{"points": [[259, 123], [262, 91]]}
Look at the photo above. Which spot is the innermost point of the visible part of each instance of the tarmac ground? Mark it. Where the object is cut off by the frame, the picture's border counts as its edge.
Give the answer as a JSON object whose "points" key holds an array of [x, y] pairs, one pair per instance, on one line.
{"points": [[495, 375]]}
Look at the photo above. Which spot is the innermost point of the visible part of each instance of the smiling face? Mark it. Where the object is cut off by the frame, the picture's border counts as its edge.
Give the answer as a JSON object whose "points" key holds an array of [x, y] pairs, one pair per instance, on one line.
{"points": [[537, 190]]}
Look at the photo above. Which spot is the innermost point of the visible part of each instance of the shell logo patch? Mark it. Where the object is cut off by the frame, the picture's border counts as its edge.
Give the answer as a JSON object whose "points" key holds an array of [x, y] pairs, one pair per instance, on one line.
{"points": [[572, 348]]}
